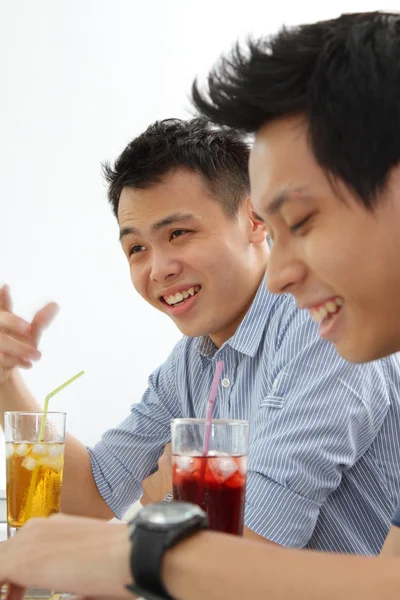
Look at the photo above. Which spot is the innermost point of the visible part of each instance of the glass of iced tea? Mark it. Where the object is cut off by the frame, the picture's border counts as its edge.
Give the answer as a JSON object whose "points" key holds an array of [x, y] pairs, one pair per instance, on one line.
{"points": [[215, 481], [34, 465]]}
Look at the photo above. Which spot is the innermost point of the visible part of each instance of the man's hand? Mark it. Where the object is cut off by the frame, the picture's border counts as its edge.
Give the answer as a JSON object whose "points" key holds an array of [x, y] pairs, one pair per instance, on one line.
{"points": [[158, 485], [18, 338], [68, 554]]}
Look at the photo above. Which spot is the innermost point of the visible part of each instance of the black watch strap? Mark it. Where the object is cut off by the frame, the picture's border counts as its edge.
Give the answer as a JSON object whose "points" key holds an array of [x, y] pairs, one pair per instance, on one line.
{"points": [[146, 557], [144, 593]]}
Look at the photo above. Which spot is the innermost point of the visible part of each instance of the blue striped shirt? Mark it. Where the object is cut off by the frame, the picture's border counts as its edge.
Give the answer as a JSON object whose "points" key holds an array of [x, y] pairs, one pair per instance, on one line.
{"points": [[324, 456]]}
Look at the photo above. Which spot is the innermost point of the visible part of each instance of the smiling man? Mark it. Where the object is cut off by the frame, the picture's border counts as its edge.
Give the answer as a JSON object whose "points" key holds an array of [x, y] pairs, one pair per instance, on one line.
{"points": [[323, 455], [325, 172], [359, 56]]}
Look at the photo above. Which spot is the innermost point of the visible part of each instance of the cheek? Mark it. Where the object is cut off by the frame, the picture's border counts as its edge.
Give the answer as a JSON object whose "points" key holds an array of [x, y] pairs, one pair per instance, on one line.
{"points": [[327, 258], [138, 280]]}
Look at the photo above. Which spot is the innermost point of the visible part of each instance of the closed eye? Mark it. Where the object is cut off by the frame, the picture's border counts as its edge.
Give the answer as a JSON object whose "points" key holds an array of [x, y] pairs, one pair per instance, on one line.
{"points": [[297, 226]]}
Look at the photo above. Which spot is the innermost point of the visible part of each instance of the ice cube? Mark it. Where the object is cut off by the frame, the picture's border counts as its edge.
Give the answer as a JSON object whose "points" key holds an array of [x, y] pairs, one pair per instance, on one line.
{"points": [[40, 450], [9, 450], [185, 463], [57, 464], [223, 467], [22, 449], [56, 450], [29, 463], [242, 465]]}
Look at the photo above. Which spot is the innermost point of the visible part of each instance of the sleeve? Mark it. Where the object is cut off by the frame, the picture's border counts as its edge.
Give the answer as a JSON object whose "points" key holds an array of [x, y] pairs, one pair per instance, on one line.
{"points": [[396, 518], [129, 453], [320, 416]]}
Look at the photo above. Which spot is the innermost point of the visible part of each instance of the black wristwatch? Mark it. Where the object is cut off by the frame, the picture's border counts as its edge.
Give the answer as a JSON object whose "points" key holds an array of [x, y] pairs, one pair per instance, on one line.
{"points": [[156, 528]]}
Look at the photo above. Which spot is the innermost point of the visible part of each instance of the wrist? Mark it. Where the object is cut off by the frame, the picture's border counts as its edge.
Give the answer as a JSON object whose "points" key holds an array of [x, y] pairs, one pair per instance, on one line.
{"points": [[181, 563], [120, 550], [14, 394], [154, 530]]}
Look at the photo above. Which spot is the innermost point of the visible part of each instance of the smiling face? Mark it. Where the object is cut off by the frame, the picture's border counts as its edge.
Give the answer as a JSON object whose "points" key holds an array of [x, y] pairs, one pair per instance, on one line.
{"points": [[188, 258], [339, 260]]}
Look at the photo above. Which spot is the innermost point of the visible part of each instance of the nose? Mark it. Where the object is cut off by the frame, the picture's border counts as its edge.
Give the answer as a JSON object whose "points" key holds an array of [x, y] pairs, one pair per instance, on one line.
{"points": [[164, 267], [284, 272]]}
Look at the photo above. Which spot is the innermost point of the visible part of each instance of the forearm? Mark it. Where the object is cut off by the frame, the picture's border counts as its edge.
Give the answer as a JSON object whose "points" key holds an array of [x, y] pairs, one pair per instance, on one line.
{"points": [[14, 395], [80, 495], [219, 567]]}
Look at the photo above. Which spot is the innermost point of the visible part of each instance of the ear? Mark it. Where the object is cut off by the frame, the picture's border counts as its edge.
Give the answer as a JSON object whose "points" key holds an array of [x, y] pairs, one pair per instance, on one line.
{"points": [[259, 230]]}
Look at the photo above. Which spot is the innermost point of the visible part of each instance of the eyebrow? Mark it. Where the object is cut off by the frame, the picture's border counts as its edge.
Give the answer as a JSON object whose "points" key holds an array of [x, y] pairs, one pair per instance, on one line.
{"points": [[283, 197], [165, 222]]}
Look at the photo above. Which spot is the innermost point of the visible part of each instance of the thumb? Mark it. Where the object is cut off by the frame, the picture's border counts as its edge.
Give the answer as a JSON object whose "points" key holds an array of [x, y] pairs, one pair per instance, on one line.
{"points": [[43, 319]]}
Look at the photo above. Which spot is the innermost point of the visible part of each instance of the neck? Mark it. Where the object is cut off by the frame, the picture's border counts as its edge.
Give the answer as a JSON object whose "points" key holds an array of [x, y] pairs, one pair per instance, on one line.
{"points": [[222, 336]]}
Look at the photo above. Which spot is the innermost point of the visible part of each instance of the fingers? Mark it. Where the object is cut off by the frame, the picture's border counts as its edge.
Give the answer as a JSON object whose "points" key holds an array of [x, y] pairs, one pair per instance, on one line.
{"points": [[12, 346], [16, 348], [5, 299], [13, 324], [43, 319], [9, 362], [18, 338]]}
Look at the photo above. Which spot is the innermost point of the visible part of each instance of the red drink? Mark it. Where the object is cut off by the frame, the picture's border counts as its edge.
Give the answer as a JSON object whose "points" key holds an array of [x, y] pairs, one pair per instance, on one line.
{"points": [[217, 484]]}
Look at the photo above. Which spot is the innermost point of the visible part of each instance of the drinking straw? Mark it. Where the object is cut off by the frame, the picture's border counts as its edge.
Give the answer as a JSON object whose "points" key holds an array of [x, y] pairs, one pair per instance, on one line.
{"points": [[47, 400], [32, 486], [207, 428], [210, 406]]}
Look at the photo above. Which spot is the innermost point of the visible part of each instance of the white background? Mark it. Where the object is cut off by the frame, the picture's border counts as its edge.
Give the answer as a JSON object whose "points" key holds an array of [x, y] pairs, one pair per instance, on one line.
{"points": [[79, 79]]}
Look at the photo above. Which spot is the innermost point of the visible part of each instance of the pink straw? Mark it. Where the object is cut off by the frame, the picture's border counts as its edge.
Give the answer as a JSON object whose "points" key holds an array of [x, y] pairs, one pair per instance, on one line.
{"points": [[210, 406]]}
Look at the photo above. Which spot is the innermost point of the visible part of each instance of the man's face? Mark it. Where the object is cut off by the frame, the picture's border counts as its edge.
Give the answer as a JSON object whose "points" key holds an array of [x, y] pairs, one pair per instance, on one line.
{"points": [[187, 258], [339, 260]]}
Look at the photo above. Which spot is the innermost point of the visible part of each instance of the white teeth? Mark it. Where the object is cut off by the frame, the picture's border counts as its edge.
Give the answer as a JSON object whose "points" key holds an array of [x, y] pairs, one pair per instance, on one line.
{"points": [[180, 296], [323, 312], [331, 306], [315, 316]]}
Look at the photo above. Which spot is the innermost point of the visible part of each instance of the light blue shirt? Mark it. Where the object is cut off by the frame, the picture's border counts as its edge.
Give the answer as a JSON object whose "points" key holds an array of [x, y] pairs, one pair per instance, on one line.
{"points": [[324, 457]]}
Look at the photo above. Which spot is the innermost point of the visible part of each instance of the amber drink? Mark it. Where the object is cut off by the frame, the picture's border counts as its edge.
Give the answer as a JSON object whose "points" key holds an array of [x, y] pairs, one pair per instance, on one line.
{"points": [[34, 467]]}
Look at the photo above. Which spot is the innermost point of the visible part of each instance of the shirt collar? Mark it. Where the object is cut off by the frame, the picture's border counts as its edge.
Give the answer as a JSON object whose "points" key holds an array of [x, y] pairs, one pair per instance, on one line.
{"points": [[247, 337]]}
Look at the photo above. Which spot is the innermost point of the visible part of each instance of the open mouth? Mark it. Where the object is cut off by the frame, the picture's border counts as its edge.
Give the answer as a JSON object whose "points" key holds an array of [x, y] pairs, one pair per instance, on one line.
{"points": [[323, 313], [181, 297]]}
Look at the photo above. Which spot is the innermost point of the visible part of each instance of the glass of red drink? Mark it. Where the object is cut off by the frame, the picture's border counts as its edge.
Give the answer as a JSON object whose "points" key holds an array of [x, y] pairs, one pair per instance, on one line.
{"points": [[217, 481]]}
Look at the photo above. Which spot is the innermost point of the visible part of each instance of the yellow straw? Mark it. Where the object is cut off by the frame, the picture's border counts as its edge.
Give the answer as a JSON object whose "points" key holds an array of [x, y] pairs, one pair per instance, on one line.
{"points": [[47, 400], [32, 486]]}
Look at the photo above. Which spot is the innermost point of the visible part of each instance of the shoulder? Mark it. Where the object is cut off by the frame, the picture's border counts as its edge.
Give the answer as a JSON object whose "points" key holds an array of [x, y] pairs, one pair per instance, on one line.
{"points": [[288, 322]]}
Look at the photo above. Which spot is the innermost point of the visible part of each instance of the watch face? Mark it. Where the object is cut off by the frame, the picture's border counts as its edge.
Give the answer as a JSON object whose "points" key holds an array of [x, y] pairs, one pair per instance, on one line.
{"points": [[169, 514]]}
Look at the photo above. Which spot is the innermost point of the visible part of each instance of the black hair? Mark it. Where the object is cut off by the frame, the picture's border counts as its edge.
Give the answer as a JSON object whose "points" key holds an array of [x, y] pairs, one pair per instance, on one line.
{"points": [[219, 157], [343, 75]]}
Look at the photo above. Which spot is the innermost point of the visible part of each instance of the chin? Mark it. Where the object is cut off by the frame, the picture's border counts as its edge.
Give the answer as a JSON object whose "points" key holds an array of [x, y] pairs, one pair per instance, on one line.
{"points": [[191, 330], [362, 351]]}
